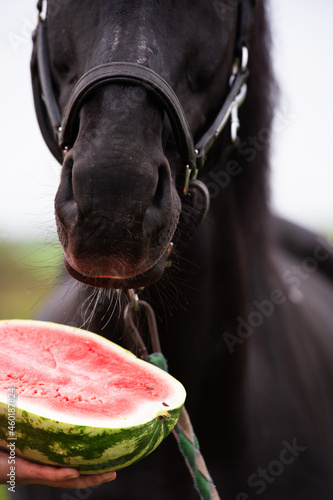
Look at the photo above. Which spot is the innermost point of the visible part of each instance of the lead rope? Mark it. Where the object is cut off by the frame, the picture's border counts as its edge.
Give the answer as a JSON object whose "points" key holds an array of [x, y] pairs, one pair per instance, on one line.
{"points": [[187, 441]]}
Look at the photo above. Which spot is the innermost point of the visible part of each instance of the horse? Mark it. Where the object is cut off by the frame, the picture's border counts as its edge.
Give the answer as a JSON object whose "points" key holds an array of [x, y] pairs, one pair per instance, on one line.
{"points": [[243, 300]]}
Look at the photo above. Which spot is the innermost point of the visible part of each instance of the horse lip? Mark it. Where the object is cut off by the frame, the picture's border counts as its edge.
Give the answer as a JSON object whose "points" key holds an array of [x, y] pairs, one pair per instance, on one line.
{"points": [[144, 279]]}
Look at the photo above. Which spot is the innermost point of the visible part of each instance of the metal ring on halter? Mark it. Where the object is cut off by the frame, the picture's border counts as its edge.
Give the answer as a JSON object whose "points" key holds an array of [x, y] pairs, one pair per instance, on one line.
{"points": [[42, 7], [134, 307]]}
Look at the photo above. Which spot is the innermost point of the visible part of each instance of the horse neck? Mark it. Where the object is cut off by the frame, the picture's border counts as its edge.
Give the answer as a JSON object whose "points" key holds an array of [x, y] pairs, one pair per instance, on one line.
{"points": [[214, 281], [230, 251], [229, 254]]}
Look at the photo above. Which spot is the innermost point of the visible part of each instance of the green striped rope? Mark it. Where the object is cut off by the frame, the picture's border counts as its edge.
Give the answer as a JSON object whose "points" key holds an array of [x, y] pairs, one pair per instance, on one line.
{"points": [[188, 445]]}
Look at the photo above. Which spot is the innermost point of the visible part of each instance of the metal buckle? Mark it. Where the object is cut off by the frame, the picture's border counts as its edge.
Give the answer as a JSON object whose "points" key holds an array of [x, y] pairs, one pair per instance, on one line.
{"points": [[240, 98], [245, 58], [235, 123], [190, 173]]}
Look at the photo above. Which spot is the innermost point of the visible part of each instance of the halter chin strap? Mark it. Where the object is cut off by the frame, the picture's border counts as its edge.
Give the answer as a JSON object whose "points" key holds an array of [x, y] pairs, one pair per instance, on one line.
{"points": [[59, 132]]}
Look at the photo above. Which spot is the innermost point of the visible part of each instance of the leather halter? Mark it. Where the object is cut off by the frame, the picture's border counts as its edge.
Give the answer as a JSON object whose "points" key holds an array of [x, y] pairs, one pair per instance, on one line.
{"points": [[60, 132], [125, 72]]}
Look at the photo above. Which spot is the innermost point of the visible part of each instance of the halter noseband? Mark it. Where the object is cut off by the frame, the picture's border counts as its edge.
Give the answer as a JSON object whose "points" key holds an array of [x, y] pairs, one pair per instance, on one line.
{"points": [[125, 72], [59, 132]]}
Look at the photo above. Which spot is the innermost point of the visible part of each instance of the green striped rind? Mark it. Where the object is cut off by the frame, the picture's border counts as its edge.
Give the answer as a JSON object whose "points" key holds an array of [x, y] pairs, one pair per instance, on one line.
{"points": [[89, 449]]}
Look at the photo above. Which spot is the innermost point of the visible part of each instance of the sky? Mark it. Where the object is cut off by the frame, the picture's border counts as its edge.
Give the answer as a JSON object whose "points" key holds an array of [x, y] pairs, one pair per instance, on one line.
{"points": [[302, 164]]}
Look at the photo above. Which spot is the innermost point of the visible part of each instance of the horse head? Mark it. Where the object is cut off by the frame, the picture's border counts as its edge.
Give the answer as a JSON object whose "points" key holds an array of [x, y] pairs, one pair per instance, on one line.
{"points": [[120, 195]]}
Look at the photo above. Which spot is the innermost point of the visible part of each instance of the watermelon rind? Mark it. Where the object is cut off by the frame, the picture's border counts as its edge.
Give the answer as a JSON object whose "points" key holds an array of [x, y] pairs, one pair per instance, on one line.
{"points": [[90, 445]]}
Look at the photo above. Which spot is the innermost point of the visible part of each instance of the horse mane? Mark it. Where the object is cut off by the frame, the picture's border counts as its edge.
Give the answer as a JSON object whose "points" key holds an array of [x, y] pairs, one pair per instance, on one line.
{"points": [[256, 118]]}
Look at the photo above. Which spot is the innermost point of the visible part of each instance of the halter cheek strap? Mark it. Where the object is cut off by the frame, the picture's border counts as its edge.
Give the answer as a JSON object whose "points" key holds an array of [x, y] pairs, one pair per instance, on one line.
{"points": [[46, 106]]}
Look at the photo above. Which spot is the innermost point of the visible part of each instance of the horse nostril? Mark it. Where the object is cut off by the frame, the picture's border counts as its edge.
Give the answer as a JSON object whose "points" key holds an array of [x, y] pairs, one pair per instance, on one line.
{"points": [[157, 214], [160, 191], [65, 204]]}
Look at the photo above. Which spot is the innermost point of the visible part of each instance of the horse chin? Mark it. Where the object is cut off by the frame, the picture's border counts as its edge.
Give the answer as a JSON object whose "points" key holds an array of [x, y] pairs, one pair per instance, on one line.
{"points": [[141, 280]]}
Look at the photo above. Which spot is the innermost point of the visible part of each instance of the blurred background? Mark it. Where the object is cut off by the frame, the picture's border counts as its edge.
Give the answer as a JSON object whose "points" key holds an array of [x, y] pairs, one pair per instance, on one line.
{"points": [[302, 170], [302, 173]]}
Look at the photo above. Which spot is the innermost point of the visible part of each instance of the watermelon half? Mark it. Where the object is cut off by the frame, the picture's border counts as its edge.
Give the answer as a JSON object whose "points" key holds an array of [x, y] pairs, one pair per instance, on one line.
{"points": [[81, 400]]}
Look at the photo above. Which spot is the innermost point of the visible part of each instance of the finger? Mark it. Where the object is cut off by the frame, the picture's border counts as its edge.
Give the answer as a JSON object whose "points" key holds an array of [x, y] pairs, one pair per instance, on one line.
{"points": [[31, 473], [81, 482], [26, 471], [85, 481]]}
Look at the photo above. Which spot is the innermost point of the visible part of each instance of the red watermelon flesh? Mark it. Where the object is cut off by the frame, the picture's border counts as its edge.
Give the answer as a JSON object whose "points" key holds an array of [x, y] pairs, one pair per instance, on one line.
{"points": [[81, 400], [65, 369]]}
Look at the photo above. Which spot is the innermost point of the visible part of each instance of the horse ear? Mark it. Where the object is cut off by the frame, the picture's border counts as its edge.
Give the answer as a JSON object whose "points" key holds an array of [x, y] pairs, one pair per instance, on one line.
{"points": [[40, 108]]}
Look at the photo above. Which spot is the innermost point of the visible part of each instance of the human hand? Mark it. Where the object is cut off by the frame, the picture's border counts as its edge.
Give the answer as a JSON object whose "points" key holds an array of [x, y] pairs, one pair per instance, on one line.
{"points": [[30, 473]]}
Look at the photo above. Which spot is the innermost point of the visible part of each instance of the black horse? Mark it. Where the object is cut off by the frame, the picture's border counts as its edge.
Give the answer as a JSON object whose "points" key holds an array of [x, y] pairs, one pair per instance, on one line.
{"points": [[245, 309]]}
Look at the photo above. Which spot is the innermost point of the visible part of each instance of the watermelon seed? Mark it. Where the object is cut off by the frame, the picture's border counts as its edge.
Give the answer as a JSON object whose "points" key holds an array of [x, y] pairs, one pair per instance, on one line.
{"points": [[162, 415], [165, 404]]}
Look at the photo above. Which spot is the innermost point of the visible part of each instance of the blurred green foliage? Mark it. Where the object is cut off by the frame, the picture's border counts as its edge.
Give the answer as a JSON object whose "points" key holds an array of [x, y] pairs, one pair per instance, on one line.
{"points": [[27, 273], [3, 493]]}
